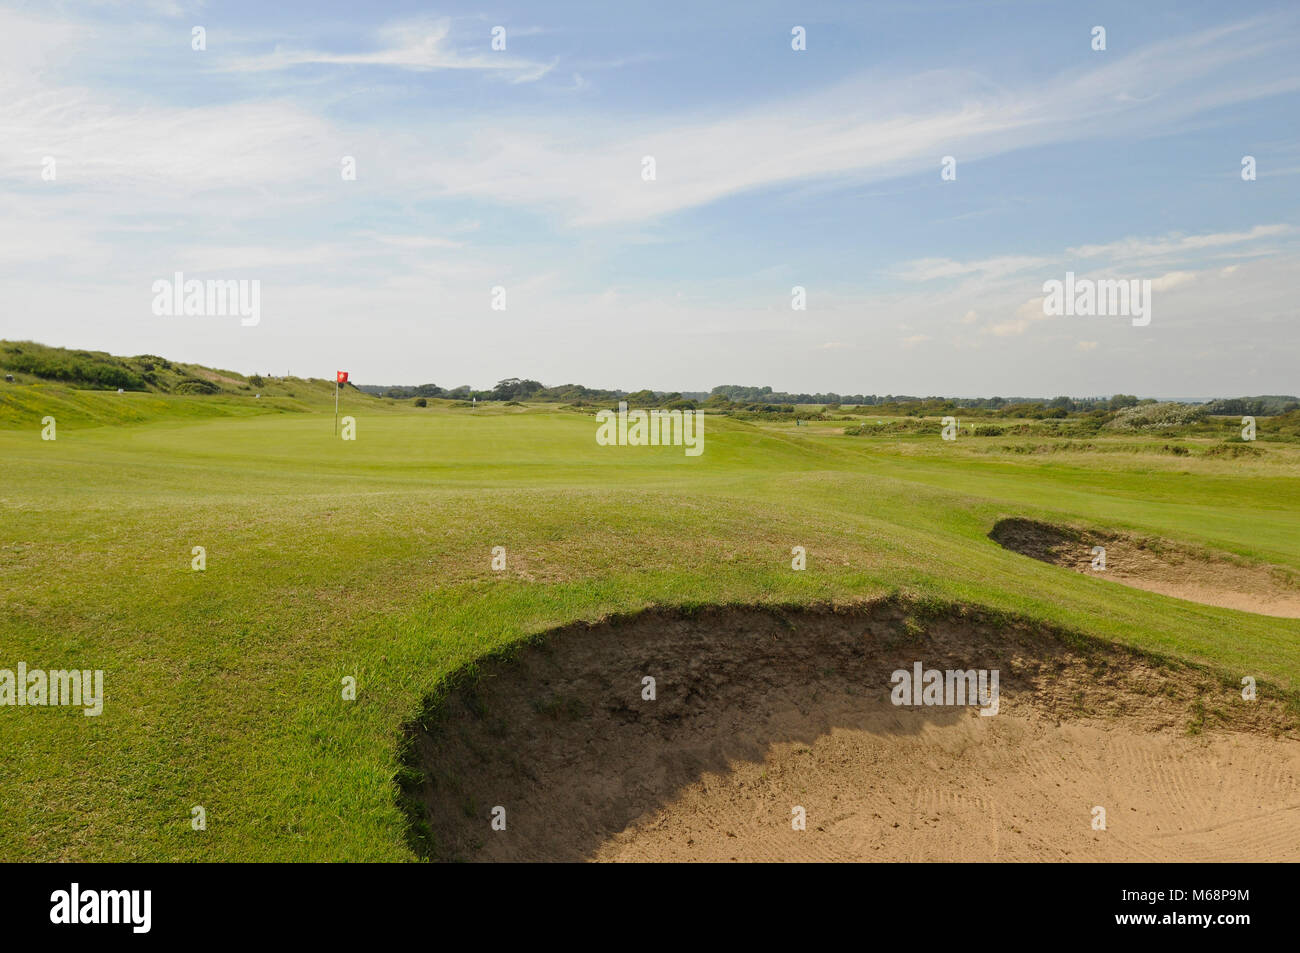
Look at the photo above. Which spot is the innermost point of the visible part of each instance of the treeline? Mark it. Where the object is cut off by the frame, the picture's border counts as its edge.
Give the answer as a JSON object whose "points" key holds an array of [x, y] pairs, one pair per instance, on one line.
{"points": [[738, 398], [514, 388], [765, 395], [99, 370], [1264, 406]]}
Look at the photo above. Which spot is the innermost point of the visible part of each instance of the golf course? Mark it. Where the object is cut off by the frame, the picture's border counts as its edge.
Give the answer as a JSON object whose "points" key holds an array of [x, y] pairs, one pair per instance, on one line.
{"points": [[374, 562]]}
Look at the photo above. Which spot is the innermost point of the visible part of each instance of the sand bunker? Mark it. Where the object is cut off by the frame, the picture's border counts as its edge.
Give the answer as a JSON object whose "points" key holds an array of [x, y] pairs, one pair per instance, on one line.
{"points": [[760, 712], [1157, 566]]}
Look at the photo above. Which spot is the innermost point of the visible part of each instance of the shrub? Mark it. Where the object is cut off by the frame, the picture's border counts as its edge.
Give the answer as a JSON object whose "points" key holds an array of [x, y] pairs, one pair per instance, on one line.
{"points": [[1155, 416], [1234, 450], [193, 385], [88, 372]]}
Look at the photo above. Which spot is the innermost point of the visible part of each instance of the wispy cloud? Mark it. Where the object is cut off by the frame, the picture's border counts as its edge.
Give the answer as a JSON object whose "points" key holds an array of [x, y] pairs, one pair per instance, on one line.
{"points": [[1126, 253], [420, 45], [930, 269], [845, 131], [1139, 248], [588, 172], [1026, 316]]}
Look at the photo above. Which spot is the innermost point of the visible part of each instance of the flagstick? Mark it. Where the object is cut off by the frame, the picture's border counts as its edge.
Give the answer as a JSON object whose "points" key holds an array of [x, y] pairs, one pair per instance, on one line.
{"points": [[336, 407]]}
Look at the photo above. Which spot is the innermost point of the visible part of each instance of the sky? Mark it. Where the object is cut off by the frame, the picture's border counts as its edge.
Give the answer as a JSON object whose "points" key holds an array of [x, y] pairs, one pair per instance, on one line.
{"points": [[523, 169]]}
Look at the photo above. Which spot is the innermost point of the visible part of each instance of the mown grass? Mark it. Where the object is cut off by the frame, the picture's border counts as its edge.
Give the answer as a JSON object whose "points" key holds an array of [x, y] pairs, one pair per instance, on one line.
{"points": [[371, 559]]}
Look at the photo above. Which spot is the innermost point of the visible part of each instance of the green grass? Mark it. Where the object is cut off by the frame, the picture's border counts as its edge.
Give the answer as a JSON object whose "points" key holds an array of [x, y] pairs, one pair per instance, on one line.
{"points": [[371, 559]]}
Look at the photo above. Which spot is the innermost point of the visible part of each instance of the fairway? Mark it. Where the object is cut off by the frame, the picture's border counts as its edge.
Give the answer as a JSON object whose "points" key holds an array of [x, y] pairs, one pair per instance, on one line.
{"points": [[372, 560]]}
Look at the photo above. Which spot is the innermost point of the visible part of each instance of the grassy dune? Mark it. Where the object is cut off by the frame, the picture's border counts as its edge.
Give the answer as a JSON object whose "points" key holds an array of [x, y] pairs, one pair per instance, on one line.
{"points": [[371, 559]]}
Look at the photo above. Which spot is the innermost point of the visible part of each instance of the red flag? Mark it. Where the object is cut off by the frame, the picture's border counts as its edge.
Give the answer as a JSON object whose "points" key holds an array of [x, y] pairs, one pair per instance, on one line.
{"points": [[342, 377]]}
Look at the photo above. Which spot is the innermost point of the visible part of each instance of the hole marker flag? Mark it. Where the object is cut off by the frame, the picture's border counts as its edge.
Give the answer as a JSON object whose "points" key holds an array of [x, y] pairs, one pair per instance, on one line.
{"points": [[340, 378]]}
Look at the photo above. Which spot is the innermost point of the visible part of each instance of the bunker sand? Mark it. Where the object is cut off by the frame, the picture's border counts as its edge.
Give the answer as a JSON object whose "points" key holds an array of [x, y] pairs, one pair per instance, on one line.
{"points": [[1157, 566], [758, 712]]}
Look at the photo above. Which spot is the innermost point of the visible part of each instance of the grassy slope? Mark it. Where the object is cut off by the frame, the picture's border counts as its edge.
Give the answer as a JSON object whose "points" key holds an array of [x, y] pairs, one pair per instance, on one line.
{"points": [[371, 559], [24, 405]]}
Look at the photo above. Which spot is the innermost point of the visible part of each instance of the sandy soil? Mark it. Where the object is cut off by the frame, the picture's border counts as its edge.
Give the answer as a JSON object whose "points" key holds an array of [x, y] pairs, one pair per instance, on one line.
{"points": [[219, 378], [1157, 566], [757, 713]]}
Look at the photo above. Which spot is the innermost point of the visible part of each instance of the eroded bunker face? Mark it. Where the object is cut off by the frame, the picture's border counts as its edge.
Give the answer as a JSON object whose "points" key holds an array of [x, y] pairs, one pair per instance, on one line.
{"points": [[756, 719], [1156, 565]]}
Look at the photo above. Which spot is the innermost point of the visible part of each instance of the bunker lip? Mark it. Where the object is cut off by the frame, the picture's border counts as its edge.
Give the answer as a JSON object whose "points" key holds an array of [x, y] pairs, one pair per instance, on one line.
{"points": [[758, 710], [1157, 565]]}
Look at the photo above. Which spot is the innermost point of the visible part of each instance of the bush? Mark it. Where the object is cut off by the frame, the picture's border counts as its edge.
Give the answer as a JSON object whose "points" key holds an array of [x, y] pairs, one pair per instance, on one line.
{"points": [[1156, 416], [193, 385], [88, 372], [1234, 450], [421, 402]]}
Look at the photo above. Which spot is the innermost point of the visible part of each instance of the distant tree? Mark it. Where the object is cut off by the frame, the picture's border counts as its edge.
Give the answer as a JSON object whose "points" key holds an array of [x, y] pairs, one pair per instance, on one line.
{"points": [[738, 392], [512, 388]]}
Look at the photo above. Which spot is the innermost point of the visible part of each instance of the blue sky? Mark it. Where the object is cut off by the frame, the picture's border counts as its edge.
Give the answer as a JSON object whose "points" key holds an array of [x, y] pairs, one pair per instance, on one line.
{"points": [[522, 168]]}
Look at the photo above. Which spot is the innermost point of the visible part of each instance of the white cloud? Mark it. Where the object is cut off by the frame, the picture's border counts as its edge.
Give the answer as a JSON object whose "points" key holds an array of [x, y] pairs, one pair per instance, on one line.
{"points": [[1138, 248], [419, 45], [1026, 316], [863, 130], [586, 170], [929, 269], [1172, 280]]}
